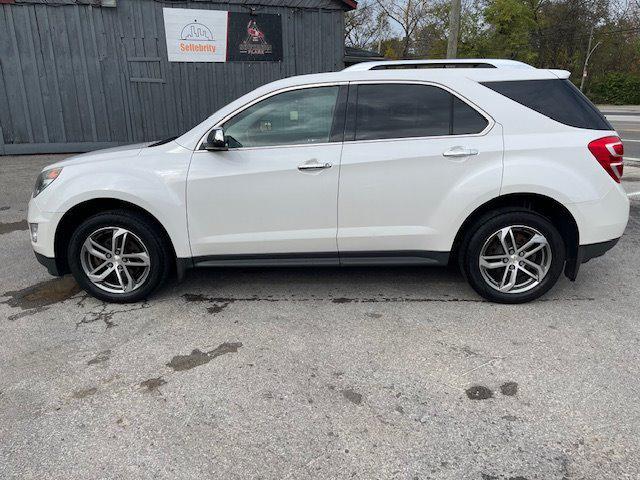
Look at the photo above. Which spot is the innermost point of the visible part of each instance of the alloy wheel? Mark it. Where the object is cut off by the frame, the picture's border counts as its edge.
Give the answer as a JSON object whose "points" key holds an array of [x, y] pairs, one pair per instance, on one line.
{"points": [[115, 260], [515, 259]]}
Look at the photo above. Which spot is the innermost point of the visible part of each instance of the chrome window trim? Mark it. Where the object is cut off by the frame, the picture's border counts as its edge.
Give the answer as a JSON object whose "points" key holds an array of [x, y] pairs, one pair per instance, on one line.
{"points": [[269, 147], [407, 139], [259, 99], [490, 121]]}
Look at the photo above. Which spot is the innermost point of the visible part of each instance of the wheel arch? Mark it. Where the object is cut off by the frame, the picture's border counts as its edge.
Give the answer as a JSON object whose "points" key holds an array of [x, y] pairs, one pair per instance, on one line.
{"points": [[543, 205], [83, 210]]}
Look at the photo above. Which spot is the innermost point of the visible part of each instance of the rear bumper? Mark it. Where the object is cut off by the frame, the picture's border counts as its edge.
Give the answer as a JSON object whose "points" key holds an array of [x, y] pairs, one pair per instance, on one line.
{"points": [[586, 253], [601, 220]]}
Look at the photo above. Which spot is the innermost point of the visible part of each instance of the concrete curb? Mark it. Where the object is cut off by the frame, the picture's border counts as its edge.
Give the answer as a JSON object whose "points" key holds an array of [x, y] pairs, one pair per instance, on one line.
{"points": [[633, 109], [623, 118], [631, 163]]}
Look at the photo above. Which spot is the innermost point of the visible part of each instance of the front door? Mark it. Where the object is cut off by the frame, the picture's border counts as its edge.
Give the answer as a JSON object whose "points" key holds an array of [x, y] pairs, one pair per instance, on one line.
{"points": [[274, 192]]}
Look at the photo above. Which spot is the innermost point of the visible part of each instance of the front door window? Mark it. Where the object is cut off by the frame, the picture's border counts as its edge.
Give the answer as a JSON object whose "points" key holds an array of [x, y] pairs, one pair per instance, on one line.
{"points": [[297, 117]]}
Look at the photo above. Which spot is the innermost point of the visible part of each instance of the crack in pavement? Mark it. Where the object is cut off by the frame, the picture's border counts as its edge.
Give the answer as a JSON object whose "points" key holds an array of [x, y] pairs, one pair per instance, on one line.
{"points": [[104, 314]]}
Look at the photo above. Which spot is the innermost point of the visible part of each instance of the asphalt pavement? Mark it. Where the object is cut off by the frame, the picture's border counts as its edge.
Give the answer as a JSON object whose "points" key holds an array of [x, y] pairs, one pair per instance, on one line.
{"points": [[626, 120], [378, 373]]}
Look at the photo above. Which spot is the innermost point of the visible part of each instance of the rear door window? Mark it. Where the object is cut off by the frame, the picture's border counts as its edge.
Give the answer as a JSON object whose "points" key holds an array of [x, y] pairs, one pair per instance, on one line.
{"points": [[396, 110], [557, 99]]}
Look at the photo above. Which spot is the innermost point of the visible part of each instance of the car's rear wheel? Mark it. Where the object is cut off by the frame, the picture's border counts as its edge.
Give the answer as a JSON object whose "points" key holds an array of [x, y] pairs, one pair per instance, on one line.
{"points": [[119, 256], [513, 256]]}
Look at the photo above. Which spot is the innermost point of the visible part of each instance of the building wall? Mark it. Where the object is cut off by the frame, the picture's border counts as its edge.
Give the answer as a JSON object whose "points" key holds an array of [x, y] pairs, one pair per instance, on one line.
{"points": [[75, 77]]}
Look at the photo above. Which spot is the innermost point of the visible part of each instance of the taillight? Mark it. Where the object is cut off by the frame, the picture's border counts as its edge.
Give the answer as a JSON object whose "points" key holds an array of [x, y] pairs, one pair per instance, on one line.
{"points": [[609, 152]]}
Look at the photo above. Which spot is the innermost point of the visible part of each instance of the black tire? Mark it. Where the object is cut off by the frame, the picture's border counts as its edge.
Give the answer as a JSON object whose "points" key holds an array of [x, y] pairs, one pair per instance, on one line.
{"points": [[160, 253], [482, 230]]}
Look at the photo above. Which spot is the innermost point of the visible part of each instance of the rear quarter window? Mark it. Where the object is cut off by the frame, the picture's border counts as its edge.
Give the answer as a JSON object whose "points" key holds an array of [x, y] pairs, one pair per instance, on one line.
{"points": [[557, 99], [465, 120]]}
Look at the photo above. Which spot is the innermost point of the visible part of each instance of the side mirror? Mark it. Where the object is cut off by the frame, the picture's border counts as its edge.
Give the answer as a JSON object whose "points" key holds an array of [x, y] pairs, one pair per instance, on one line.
{"points": [[216, 141]]}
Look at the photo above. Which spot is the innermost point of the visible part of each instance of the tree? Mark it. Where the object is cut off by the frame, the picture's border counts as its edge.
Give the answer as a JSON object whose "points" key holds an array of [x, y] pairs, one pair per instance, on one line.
{"points": [[544, 33], [365, 25], [431, 37], [392, 48], [511, 24], [408, 15]]}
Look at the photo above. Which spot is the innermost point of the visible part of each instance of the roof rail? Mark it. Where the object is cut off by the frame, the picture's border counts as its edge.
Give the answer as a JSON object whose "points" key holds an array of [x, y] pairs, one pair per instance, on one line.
{"points": [[448, 63]]}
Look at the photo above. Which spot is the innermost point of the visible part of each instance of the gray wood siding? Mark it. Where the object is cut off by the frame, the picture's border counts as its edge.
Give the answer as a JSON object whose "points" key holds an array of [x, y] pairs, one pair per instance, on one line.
{"points": [[77, 77]]}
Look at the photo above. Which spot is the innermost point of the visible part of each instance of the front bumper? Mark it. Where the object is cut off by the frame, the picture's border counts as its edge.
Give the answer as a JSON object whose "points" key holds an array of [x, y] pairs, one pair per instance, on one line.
{"points": [[47, 224], [44, 247], [49, 263]]}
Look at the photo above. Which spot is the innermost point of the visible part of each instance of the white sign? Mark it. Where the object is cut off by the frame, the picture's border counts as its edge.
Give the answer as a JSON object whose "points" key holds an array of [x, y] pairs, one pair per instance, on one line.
{"points": [[195, 35]]}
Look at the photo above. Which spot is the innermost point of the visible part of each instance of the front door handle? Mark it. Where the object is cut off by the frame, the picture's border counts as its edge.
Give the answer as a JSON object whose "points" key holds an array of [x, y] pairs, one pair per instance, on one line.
{"points": [[458, 151], [313, 165]]}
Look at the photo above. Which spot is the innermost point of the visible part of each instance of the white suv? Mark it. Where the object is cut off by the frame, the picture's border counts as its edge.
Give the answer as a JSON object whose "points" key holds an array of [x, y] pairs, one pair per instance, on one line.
{"points": [[510, 172]]}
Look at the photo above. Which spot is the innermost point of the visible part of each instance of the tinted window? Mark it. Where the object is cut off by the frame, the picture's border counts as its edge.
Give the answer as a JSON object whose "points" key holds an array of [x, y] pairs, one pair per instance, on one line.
{"points": [[407, 110], [289, 118], [558, 99], [397, 111], [466, 119]]}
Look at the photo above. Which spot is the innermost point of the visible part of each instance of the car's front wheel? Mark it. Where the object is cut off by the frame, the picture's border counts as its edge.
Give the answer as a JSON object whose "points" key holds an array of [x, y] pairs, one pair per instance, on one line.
{"points": [[513, 256], [119, 256]]}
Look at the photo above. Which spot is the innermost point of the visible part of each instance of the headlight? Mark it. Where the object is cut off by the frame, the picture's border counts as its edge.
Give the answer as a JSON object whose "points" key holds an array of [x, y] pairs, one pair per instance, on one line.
{"points": [[45, 178]]}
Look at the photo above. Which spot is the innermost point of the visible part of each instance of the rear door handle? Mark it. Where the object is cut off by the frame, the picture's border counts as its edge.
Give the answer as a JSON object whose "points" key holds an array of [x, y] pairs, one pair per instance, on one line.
{"points": [[313, 165], [458, 151]]}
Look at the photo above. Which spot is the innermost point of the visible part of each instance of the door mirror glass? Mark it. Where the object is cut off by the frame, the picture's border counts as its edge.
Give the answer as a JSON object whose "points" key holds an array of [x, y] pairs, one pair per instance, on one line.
{"points": [[216, 141]]}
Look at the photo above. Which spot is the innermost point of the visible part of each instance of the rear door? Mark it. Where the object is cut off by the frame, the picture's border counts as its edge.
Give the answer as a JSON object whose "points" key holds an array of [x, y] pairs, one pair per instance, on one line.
{"points": [[416, 158]]}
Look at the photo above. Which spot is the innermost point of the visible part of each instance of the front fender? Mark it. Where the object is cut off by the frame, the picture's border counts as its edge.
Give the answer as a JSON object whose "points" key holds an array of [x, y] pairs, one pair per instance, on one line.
{"points": [[155, 183]]}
